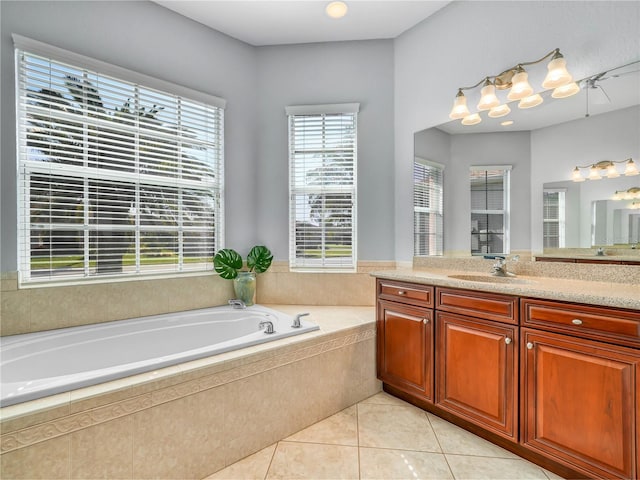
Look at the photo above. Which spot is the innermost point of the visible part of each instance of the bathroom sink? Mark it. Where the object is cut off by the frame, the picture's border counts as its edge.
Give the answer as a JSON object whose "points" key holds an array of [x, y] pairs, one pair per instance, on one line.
{"points": [[490, 279]]}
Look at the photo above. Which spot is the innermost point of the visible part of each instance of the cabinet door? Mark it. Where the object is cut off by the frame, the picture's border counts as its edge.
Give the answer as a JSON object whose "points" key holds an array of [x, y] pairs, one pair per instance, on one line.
{"points": [[405, 348], [580, 403], [476, 371]]}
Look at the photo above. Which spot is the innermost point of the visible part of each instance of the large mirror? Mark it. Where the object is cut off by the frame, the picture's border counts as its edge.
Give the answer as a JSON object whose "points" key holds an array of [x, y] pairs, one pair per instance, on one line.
{"points": [[544, 145]]}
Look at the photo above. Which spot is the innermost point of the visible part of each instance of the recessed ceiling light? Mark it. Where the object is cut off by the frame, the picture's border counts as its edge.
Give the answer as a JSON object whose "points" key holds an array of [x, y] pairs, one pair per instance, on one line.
{"points": [[506, 123], [336, 9]]}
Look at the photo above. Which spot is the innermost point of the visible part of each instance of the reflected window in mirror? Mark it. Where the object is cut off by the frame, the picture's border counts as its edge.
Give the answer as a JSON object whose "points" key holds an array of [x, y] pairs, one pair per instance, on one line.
{"points": [[554, 218], [427, 208], [490, 209]]}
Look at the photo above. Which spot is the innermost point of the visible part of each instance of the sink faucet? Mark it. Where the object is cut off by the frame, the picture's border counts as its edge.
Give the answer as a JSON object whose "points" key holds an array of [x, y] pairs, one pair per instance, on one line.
{"points": [[269, 326], [296, 321], [238, 304], [499, 269]]}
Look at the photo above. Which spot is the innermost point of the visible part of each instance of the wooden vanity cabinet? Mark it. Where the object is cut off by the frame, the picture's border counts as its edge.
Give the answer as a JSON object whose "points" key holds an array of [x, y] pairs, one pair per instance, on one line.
{"points": [[405, 337], [580, 399], [477, 359]]}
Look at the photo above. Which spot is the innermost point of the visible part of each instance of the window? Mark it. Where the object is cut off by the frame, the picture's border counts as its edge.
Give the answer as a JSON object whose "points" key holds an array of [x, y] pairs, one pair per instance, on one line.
{"points": [[490, 210], [427, 208], [117, 177], [554, 218], [322, 182]]}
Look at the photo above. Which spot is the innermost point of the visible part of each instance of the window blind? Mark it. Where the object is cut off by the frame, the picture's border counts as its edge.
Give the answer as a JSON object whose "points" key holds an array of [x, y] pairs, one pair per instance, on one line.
{"points": [[115, 178], [553, 219], [427, 208], [490, 209], [322, 180]]}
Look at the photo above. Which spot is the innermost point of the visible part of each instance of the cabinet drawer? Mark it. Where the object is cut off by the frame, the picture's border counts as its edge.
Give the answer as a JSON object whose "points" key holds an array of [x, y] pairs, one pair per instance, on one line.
{"points": [[488, 306], [411, 293], [608, 324]]}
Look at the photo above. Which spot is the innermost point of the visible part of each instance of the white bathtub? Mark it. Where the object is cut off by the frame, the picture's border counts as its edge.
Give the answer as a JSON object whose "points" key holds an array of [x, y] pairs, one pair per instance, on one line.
{"points": [[35, 365]]}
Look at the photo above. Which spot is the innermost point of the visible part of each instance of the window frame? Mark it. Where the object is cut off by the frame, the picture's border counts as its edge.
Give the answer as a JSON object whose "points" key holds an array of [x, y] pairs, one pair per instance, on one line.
{"points": [[505, 211], [324, 263], [560, 220], [435, 191], [182, 187]]}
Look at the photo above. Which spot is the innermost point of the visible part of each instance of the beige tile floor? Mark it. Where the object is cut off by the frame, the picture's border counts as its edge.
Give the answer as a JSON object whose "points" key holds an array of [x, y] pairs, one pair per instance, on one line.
{"points": [[383, 438]]}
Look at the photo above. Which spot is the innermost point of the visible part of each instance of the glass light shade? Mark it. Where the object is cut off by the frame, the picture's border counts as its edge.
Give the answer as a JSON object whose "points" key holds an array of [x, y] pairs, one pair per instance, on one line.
{"points": [[594, 173], [520, 87], [472, 119], [459, 109], [566, 90], [488, 99], [499, 111], [612, 172], [617, 196], [631, 169], [627, 195], [635, 206], [557, 75], [336, 9], [530, 102], [576, 176]]}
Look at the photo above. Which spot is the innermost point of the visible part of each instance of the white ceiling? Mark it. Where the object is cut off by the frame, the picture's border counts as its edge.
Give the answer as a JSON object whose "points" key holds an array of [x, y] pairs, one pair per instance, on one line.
{"points": [[269, 22]]}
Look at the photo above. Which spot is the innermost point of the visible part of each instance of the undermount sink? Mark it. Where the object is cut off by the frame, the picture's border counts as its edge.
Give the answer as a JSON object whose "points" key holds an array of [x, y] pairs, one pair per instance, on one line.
{"points": [[490, 279]]}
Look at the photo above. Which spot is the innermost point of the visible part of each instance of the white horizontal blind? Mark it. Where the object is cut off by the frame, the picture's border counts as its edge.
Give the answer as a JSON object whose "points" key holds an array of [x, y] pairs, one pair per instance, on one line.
{"points": [[553, 219], [322, 177], [490, 209], [115, 178], [427, 208]]}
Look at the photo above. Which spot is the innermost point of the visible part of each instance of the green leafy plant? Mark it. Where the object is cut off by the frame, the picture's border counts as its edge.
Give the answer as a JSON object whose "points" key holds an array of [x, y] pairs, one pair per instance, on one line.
{"points": [[228, 262]]}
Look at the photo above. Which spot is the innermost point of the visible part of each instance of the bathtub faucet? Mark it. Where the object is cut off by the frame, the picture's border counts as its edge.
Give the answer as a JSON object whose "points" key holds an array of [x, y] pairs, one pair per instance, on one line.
{"points": [[268, 324], [296, 321], [239, 304]]}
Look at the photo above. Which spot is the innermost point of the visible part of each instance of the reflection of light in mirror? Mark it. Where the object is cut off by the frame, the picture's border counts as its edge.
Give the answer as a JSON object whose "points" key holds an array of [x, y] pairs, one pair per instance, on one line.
{"points": [[506, 123]]}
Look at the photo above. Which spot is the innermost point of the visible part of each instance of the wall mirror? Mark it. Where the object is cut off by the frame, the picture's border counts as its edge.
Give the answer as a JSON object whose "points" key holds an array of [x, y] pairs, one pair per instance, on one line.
{"points": [[544, 144]]}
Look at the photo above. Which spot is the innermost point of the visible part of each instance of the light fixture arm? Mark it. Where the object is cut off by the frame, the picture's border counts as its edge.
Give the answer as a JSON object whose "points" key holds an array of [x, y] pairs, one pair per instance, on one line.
{"points": [[509, 72]]}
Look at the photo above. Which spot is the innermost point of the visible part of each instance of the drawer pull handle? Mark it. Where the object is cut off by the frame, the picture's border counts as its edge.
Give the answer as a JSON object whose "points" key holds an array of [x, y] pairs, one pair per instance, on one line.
{"points": [[576, 321], [530, 345], [401, 292], [425, 321], [507, 340]]}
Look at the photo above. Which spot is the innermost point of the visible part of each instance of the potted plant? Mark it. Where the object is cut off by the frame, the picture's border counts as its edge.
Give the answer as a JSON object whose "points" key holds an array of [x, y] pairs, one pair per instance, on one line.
{"points": [[228, 263]]}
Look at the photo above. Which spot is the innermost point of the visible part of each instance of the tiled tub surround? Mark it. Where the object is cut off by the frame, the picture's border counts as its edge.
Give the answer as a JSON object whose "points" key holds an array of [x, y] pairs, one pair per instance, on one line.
{"points": [[28, 310], [190, 420], [41, 364]]}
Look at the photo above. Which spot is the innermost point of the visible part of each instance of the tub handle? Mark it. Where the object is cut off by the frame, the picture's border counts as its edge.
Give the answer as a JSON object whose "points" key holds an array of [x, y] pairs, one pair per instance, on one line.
{"points": [[296, 321], [269, 326]]}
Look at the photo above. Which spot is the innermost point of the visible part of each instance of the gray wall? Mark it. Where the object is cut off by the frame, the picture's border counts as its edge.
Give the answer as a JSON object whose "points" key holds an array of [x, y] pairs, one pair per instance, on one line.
{"points": [[341, 72], [150, 39], [452, 48]]}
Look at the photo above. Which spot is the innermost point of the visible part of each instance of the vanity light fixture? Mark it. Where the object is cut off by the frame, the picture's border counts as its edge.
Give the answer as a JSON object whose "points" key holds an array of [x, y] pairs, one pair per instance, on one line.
{"points": [[632, 193], [605, 169], [336, 9], [517, 80], [635, 206]]}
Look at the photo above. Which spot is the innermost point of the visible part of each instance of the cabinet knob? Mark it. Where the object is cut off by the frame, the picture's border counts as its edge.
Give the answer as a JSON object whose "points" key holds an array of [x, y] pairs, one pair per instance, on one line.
{"points": [[530, 345], [576, 321], [507, 340], [401, 292], [425, 321]]}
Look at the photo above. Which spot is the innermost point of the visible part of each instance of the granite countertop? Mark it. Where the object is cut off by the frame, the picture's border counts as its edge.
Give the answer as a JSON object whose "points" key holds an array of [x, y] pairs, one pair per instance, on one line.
{"points": [[621, 295]]}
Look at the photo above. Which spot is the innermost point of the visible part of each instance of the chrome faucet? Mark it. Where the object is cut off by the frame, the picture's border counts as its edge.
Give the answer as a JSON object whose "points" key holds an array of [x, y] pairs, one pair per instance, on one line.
{"points": [[499, 269], [237, 304], [296, 321], [269, 326]]}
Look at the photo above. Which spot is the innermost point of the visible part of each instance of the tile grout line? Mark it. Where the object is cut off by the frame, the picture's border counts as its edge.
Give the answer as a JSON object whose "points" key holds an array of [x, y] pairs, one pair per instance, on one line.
{"points": [[358, 438], [273, 455], [440, 445]]}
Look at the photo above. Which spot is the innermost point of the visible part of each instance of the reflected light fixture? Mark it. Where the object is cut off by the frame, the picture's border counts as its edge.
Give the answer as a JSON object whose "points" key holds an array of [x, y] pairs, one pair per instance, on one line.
{"points": [[605, 169], [530, 102], [499, 111], [635, 206], [336, 9], [632, 193], [516, 79]]}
